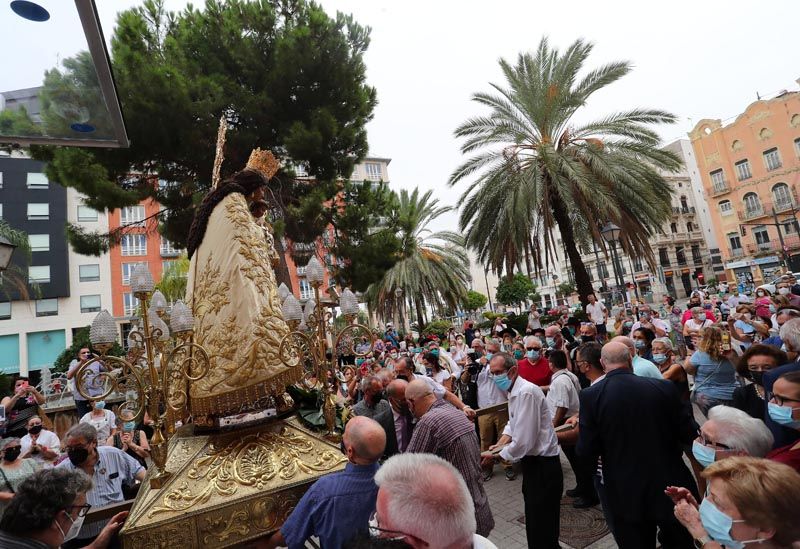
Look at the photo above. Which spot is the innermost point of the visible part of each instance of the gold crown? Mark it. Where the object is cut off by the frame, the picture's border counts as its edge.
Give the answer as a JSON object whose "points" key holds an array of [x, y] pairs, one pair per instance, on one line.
{"points": [[264, 162]]}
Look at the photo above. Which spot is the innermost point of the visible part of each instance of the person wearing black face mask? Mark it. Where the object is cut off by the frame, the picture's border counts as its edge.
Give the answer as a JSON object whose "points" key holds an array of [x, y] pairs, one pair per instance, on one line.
{"points": [[752, 365], [108, 467], [13, 470], [40, 444]]}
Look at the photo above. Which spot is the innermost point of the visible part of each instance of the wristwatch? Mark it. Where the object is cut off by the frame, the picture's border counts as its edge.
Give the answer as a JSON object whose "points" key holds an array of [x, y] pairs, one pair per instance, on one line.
{"points": [[701, 542]]}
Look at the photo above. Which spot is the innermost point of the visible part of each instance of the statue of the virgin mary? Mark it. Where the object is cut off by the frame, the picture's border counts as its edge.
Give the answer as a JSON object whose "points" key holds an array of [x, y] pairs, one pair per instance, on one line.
{"points": [[232, 292]]}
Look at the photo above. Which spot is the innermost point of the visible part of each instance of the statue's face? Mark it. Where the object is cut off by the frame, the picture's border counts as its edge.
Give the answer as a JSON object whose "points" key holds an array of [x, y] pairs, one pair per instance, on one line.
{"points": [[258, 206]]}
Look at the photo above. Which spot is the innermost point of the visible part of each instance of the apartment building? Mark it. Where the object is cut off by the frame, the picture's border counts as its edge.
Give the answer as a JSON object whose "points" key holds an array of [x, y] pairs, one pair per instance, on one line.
{"points": [[67, 289], [750, 167], [684, 247]]}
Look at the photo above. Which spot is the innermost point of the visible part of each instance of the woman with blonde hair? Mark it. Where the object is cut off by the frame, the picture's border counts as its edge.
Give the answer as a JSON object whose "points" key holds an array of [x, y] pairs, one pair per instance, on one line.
{"points": [[749, 501], [714, 374]]}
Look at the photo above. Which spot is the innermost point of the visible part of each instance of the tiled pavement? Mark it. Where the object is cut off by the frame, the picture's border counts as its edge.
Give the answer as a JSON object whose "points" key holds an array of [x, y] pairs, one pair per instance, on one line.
{"points": [[505, 498]]}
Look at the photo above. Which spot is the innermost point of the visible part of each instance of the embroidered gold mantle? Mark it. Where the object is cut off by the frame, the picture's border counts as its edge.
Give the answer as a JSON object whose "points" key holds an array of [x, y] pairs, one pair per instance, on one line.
{"points": [[233, 295]]}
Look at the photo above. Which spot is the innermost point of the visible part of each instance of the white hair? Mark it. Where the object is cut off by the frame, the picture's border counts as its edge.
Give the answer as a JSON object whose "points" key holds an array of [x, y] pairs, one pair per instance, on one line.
{"points": [[665, 341], [740, 431], [529, 339], [428, 499], [790, 333]]}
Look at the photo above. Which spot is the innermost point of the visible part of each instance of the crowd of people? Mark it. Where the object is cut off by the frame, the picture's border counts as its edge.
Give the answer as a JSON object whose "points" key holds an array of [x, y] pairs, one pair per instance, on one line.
{"points": [[683, 425]]}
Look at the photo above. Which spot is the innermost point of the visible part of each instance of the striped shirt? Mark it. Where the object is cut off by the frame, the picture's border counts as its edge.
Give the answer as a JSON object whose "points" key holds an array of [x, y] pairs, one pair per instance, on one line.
{"points": [[113, 468], [446, 432]]}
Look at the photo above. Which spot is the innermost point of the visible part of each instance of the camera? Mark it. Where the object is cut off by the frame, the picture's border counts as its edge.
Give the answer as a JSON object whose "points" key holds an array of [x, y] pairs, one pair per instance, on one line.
{"points": [[473, 368]]}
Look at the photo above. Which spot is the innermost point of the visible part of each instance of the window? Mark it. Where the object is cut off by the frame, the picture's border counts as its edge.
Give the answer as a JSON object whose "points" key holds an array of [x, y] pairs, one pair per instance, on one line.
{"points": [[37, 181], [761, 237], [680, 255], [743, 170], [134, 244], [1, 178], [796, 151], [130, 303], [39, 274], [689, 226], [46, 307], [673, 227], [306, 291], [718, 181], [127, 271], [5, 311], [602, 270], [684, 204], [752, 204], [696, 257], [1, 209], [637, 264], [90, 303], [725, 207], [130, 215], [772, 159], [39, 242], [168, 249], [89, 273], [782, 196], [373, 170], [663, 257], [85, 213], [38, 211], [735, 241]]}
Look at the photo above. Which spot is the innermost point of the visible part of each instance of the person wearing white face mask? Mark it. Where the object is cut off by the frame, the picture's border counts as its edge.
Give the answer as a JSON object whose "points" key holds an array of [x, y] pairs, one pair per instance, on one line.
{"points": [[750, 501], [694, 325], [746, 328], [48, 511]]}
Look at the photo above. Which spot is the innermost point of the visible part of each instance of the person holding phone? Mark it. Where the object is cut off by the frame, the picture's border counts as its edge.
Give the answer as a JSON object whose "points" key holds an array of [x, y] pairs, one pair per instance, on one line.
{"points": [[22, 405]]}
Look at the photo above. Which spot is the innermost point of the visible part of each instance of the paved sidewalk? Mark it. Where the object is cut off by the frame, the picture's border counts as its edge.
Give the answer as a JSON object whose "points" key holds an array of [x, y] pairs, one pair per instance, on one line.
{"points": [[505, 498]]}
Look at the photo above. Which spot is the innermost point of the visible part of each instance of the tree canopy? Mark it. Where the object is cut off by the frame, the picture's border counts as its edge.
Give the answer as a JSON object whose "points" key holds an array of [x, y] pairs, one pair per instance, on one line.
{"points": [[515, 290], [288, 77], [474, 301]]}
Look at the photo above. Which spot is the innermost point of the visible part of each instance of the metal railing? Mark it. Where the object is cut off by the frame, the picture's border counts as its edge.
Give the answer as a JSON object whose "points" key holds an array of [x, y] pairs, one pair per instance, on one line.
{"points": [[720, 188], [752, 213], [689, 210]]}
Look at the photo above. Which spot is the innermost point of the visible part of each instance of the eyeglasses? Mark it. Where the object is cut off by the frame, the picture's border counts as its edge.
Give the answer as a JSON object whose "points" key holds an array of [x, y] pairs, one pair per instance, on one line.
{"points": [[781, 400], [84, 509], [375, 531], [710, 443]]}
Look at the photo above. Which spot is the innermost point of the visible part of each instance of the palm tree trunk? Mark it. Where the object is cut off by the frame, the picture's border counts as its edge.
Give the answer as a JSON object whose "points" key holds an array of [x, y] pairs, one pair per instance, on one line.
{"points": [[582, 281], [420, 319]]}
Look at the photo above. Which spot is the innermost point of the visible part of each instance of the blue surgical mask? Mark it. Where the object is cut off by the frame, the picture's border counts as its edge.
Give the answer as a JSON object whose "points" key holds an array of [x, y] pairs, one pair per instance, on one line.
{"points": [[701, 317], [533, 355], [718, 525], [659, 358], [551, 342], [503, 382], [772, 309], [518, 354], [782, 415], [435, 352], [639, 344], [100, 404], [703, 454], [489, 356], [129, 426]]}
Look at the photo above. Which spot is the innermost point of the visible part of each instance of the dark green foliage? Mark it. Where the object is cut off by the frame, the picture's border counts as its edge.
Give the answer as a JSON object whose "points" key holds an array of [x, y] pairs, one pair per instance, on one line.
{"points": [[515, 290], [474, 301]]}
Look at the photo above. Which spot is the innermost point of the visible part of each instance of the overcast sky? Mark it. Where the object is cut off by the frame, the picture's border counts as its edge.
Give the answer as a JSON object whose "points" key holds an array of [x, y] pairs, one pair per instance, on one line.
{"points": [[698, 59]]}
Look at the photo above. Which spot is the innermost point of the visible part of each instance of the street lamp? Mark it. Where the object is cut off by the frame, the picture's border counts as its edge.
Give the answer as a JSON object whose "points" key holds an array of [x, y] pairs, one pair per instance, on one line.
{"points": [[611, 233], [6, 251]]}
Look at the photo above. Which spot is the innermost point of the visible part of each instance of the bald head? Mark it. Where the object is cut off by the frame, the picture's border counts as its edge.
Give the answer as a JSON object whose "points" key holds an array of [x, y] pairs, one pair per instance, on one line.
{"points": [[397, 389], [418, 389], [615, 355], [628, 342], [552, 331], [419, 397], [364, 440]]}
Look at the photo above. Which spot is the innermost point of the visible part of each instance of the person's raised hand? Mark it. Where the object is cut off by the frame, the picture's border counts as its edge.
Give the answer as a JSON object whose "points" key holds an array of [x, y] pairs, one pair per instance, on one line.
{"points": [[679, 493], [107, 534]]}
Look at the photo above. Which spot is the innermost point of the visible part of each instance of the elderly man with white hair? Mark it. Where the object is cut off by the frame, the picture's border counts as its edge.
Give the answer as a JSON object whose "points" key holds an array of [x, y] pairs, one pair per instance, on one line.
{"points": [[423, 500], [730, 432]]}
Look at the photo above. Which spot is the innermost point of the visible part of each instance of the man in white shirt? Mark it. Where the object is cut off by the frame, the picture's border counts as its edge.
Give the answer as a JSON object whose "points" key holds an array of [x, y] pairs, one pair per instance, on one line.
{"points": [[529, 438], [562, 396], [40, 444], [598, 314]]}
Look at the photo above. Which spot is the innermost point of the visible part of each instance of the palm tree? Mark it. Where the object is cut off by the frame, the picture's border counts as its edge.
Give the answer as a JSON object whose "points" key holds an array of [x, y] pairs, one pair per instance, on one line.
{"points": [[537, 170], [433, 267], [14, 280]]}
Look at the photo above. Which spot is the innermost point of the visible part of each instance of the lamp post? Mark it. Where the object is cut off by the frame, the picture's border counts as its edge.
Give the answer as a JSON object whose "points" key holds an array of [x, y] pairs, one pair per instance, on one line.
{"points": [[310, 342], [6, 251], [610, 233]]}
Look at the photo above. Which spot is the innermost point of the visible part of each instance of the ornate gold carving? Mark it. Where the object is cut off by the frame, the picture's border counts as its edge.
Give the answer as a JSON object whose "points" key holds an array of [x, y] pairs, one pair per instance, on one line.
{"points": [[221, 528], [252, 460], [264, 162], [166, 537]]}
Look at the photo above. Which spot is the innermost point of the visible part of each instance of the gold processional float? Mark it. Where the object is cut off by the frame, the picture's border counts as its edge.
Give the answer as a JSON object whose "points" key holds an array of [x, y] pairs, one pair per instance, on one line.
{"points": [[236, 479]]}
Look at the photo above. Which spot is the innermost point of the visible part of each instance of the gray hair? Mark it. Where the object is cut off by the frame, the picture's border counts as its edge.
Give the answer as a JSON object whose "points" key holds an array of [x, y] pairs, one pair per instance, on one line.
{"points": [[740, 431], [508, 360], [367, 381], [493, 342], [529, 339], [82, 430], [665, 341], [40, 498], [790, 333], [6, 441], [428, 499]]}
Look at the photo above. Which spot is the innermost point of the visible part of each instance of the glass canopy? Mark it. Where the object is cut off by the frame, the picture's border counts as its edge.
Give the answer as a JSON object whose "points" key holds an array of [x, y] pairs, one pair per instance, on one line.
{"points": [[56, 85]]}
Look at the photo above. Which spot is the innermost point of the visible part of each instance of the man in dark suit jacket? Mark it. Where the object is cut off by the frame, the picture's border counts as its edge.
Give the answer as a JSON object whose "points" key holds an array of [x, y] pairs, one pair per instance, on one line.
{"points": [[397, 422], [637, 427]]}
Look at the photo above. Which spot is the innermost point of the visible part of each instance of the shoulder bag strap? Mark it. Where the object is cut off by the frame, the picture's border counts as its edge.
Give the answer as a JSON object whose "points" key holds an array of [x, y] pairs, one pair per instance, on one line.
{"points": [[5, 478]]}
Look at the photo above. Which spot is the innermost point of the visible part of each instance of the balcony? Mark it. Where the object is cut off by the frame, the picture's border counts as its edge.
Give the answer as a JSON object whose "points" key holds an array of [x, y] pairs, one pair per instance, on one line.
{"points": [[697, 261], [735, 252], [696, 235], [761, 247], [678, 210], [719, 189], [752, 213]]}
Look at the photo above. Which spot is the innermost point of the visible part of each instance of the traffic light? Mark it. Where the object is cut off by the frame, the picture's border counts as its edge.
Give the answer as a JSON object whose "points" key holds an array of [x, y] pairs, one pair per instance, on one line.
{"points": [[742, 230]]}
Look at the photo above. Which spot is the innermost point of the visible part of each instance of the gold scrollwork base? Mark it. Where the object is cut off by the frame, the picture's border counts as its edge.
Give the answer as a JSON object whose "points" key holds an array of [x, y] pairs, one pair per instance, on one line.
{"points": [[229, 488]]}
